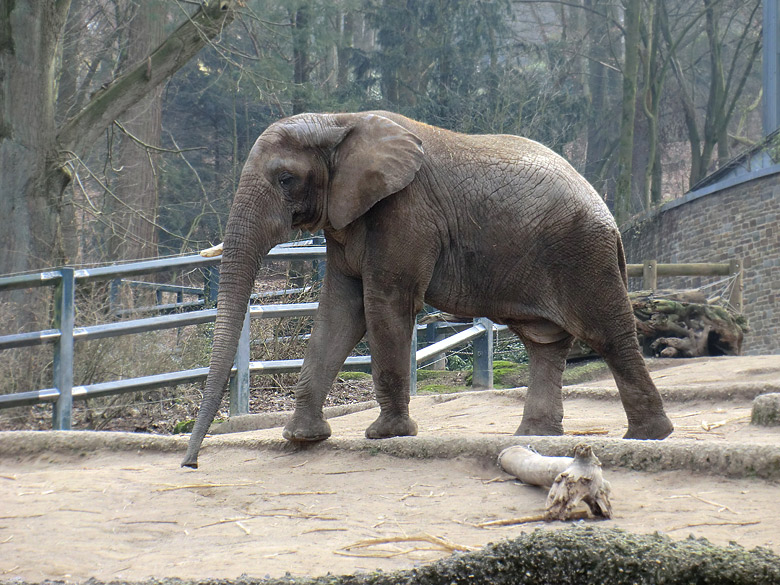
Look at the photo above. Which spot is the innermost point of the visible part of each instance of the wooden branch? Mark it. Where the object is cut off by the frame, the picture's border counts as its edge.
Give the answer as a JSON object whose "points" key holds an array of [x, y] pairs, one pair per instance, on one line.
{"points": [[575, 515], [125, 91], [572, 480], [531, 467]]}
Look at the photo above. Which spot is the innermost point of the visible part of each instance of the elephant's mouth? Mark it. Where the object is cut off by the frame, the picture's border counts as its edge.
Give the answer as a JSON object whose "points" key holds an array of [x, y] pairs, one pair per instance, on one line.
{"points": [[312, 221]]}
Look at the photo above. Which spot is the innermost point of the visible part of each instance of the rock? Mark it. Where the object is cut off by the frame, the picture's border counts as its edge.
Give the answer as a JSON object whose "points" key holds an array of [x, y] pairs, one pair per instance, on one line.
{"points": [[766, 410]]}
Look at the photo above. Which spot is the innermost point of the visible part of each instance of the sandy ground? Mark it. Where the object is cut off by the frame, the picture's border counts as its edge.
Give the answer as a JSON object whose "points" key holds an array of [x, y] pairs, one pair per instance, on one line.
{"points": [[133, 514]]}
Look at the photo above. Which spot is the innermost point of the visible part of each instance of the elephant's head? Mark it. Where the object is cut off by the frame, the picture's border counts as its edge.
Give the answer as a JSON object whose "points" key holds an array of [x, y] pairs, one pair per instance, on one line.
{"points": [[311, 171]]}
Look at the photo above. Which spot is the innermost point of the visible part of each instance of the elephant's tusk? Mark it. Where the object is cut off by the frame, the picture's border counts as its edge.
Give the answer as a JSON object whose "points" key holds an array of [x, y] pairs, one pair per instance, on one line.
{"points": [[213, 251]]}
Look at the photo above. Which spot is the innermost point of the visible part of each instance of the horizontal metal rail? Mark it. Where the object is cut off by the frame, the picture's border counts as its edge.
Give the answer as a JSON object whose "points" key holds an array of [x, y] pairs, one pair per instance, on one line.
{"points": [[186, 306], [51, 277], [153, 324], [170, 288], [451, 342], [29, 339], [168, 379]]}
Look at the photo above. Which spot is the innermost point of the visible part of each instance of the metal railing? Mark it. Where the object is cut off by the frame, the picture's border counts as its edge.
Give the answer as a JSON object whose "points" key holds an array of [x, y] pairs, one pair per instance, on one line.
{"points": [[64, 334]]}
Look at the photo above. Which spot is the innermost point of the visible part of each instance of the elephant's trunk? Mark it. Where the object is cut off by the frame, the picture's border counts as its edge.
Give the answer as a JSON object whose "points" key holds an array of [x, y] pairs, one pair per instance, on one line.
{"points": [[247, 239]]}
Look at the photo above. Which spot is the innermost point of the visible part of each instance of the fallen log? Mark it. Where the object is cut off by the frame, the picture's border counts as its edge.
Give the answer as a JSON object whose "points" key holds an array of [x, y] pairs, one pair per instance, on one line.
{"points": [[684, 324], [571, 480], [680, 324]]}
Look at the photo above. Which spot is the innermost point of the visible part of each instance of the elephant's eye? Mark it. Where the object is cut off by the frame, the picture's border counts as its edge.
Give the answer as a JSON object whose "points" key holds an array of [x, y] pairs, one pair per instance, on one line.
{"points": [[286, 180]]}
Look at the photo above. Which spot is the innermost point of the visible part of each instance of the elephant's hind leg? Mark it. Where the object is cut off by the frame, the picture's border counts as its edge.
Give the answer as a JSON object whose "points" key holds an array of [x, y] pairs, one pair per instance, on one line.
{"points": [[617, 343], [543, 412], [641, 400]]}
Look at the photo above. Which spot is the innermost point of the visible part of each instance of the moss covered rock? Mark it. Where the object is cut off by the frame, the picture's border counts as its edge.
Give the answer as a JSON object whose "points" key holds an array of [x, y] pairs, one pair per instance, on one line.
{"points": [[579, 555]]}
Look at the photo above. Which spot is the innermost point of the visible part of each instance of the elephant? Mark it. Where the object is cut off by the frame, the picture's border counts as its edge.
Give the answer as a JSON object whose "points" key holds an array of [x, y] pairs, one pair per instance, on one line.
{"points": [[495, 226]]}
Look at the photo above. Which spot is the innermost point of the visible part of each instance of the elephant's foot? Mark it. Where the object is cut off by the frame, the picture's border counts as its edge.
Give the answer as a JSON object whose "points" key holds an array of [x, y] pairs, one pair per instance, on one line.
{"points": [[387, 426], [306, 429], [539, 428], [658, 427]]}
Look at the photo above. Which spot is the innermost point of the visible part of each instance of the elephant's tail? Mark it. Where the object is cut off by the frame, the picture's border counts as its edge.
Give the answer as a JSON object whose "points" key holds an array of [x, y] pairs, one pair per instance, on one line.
{"points": [[621, 258]]}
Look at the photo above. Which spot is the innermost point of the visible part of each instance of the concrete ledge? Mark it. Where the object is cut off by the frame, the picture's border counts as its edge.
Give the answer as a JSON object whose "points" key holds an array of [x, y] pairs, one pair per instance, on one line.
{"points": [[682, 393], [725, 459]]}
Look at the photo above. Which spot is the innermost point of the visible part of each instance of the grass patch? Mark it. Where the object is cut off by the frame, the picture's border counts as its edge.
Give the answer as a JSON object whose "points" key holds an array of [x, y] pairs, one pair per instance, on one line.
{"points": [[506, 374], [439, 389], [423, 375], [585, 371], [347, 376]]}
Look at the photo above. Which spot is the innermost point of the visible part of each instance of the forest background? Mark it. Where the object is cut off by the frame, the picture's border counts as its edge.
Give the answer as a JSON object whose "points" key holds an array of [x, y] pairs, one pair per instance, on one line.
{"points": [[112, 149]]}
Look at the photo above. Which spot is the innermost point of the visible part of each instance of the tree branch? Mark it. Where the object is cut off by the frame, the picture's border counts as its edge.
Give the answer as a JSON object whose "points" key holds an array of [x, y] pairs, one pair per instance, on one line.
{"points": [[112, 101]]}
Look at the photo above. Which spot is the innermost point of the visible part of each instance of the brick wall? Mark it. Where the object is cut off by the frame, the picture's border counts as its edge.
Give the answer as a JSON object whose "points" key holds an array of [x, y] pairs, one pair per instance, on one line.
{"points": [[742, 221]]}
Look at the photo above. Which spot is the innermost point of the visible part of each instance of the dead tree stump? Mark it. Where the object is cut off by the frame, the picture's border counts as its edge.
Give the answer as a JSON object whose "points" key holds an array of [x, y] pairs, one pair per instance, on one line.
{"points": [[684, 324]]}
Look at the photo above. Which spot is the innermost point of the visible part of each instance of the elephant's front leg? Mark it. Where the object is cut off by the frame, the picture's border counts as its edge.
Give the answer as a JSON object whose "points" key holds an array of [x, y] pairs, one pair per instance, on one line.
{"points": [[390, 318], [340, 323]]}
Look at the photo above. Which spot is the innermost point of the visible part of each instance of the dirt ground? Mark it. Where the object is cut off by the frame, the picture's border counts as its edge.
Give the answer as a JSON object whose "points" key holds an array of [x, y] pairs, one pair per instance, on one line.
{"points": [[114, 507]]}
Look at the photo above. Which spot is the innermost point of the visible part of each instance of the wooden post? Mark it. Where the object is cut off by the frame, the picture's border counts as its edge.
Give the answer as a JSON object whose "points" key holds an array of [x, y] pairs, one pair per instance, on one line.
{"points": [[64, 314], [239, 384], [650, 275], [482, 373], [735, 269]]}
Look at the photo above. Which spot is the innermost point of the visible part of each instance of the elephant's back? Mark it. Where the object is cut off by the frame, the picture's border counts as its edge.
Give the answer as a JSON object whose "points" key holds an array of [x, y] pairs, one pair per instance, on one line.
{"points": [[505, 171]]}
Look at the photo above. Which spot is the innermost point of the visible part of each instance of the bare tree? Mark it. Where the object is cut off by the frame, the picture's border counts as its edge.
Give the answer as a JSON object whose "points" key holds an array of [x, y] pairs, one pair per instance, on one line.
{"points": [[133, 221], [728, 75], [34, 149], [630, 73]]}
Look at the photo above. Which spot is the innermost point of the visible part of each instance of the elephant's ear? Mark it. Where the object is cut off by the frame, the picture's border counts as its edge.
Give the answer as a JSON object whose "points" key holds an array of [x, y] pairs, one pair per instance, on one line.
{"points": [[376, 158]]}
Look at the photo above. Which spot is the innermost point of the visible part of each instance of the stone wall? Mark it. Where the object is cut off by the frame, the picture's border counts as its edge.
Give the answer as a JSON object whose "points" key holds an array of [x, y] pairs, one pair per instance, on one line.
{"points": [[736, 222]]}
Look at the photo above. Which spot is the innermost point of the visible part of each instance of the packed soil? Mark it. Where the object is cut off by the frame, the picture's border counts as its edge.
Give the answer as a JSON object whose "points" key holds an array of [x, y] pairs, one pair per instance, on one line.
{"points": [[117, 506]]}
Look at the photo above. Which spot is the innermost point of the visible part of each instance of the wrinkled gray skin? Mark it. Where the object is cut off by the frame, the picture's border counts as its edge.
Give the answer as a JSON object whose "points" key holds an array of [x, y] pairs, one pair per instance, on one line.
{"points": [[494, 226]]}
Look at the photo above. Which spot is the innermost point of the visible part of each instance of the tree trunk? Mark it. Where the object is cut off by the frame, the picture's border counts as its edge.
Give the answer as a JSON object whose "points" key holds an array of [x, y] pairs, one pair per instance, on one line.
{"points": [[597, 159], [344, 50], [31, 184], [626, 149], [134, 219], [301, 67]]}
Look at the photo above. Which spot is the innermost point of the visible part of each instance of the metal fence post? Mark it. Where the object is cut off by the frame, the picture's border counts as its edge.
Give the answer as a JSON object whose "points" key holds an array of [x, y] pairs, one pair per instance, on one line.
{"points": [[64, 315], [210, 286], [413, 361], [432, 335], [482, 376], [239, 384], [113, 295], [318, 264]]}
